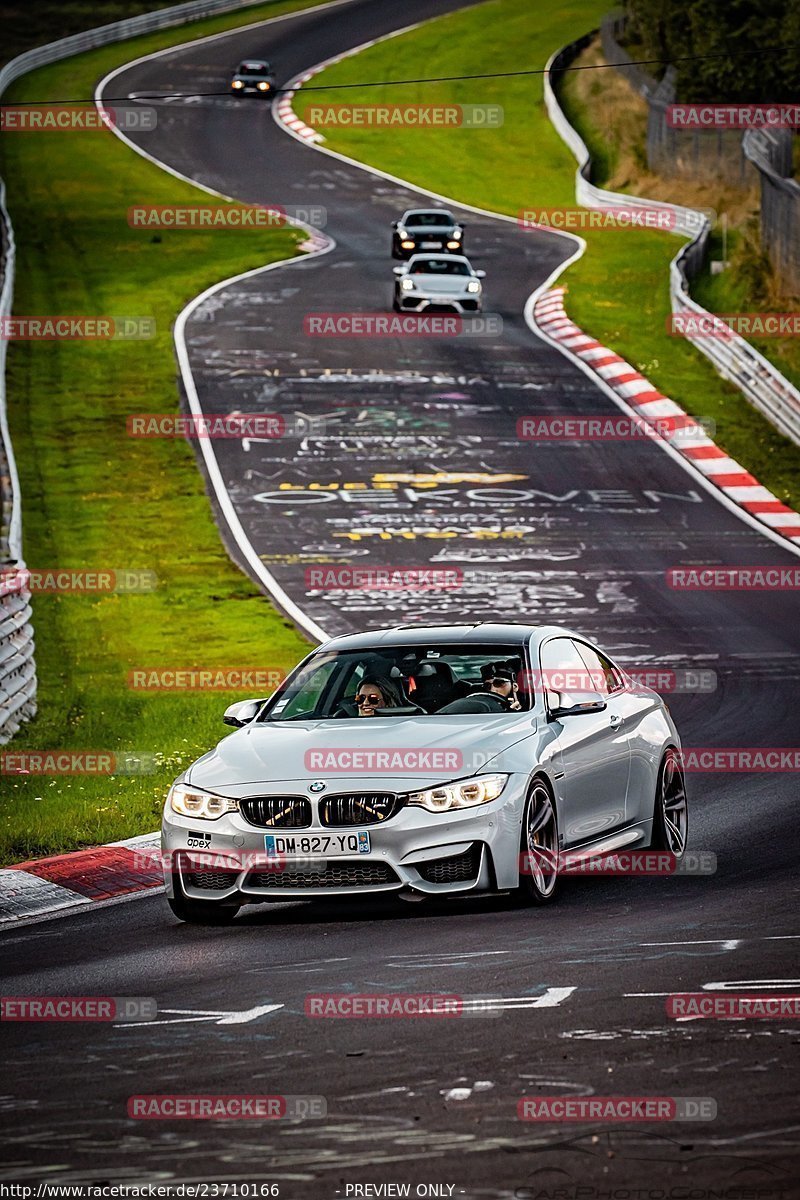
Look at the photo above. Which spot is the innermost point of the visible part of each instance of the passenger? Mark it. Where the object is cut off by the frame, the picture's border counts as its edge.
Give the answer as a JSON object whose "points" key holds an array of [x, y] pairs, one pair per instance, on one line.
{"points": [[377, 692]]}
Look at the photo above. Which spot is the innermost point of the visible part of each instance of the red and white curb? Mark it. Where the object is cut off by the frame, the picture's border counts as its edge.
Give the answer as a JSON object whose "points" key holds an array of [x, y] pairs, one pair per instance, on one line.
{"points": [[81, 878], [644, 400], [289, 117]]}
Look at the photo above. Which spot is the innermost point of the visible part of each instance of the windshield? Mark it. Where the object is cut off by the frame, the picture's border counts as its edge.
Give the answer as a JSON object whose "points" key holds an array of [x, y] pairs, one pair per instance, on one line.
{"points": [[253, 68], [405, 681], [427, 219], [439, 266]]}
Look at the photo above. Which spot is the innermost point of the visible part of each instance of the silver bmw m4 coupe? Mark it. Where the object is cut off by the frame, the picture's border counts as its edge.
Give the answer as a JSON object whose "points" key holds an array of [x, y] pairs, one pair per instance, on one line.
{"points": [[426, 761]]}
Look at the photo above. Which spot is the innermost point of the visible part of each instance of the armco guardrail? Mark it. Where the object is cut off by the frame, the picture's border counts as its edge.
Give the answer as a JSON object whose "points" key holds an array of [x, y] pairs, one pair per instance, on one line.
{"points": [[17, 669], [734, 358], [17, 666]]}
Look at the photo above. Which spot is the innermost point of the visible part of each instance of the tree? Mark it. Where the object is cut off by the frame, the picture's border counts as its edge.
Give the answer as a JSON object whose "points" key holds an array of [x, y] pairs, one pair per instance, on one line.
{"points": [[733, 31]]}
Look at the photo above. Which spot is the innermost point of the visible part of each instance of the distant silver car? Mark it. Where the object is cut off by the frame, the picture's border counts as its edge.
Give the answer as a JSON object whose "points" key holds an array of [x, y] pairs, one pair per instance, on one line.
{"points": [[425, 761], [426, 229], [438, 281]]}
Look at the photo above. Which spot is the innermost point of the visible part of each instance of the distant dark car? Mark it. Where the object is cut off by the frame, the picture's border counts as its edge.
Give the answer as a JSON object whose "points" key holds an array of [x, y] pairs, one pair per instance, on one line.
{"points": [[422, 229], [253, 75]]}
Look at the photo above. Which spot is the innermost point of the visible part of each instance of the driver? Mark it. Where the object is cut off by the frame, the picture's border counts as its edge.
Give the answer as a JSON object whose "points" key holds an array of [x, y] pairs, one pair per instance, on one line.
{"points": [[500, 680]]}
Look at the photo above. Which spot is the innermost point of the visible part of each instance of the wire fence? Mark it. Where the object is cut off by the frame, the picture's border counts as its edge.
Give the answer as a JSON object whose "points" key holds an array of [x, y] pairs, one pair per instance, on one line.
{"points": [[770, 152]]}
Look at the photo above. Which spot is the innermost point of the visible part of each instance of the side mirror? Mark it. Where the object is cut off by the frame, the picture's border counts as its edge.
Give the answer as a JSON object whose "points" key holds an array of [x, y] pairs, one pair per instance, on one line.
{"points": [[481, 274], [574, 704], [241, 713], [398, 270]]}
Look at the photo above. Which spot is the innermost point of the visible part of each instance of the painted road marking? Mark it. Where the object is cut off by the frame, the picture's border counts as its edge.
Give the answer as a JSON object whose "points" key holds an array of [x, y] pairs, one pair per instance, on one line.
{"points": [[729, 944], [551, 997], [187, 1015]]}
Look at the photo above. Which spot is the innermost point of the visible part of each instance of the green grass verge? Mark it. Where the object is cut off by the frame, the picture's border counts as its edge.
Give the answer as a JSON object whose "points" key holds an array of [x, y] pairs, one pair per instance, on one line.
{"points": [[619, 290], [94, 497]]}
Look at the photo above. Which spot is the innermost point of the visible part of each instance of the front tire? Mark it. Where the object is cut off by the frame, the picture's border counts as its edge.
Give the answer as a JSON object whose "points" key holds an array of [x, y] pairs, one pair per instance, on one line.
{"points": [[539, 846], [671, 810], [199, 912]]}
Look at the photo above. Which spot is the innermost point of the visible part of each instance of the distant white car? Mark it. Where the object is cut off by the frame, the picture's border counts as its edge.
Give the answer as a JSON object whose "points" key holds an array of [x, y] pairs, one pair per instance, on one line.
{"points": [[438, 281]]}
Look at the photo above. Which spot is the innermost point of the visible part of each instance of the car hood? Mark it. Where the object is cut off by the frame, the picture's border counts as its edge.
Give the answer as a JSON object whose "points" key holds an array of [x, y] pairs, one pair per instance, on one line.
{"points": [[433, 230], [283, 752], [441, 284]]}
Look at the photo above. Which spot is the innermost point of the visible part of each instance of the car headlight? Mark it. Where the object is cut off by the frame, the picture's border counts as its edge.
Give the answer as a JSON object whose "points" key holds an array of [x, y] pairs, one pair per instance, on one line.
{"points": [[264, 86], [237, 83], [194, 802], [407, 284], [466, 793], [473, 286], [453, 244], [402, 233], [407, 244]]}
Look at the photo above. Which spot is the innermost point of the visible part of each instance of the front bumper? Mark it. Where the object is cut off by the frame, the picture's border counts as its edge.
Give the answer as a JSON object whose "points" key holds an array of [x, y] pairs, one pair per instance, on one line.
{"points": [[429, 245], [250, 89], [427, 853], [421, 302]]}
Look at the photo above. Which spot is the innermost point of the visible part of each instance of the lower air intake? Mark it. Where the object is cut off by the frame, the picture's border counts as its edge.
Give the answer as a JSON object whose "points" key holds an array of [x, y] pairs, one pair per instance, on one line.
{"points": [[459, 868], [343, 875]]}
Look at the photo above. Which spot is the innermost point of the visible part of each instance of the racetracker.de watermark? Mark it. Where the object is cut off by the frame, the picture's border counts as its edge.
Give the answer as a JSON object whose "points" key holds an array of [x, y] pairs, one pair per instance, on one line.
{"points": [[236, 426], [382, 325], [726, 326], [725, 1005], [616, 1109], [379, 760], [621, 217], [204, 679], [648, 863], [733, 116], [733, 579], [78, 1008], [78, 762], [613, 428], [399, 1005], [384, 579], [740, 759], [75, 118], [411, 116], [49, 328], [679, 680], [75, 582], [225, 1108], [225, 216], [224, 862]]}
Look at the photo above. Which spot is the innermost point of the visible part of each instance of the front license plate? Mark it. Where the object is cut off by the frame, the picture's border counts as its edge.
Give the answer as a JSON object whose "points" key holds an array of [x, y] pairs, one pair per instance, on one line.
{"points": [[306, 845], [431, 245]]}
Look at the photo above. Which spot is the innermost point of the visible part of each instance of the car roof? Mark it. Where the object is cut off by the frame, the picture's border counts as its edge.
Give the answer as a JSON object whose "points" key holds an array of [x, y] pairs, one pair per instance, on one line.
{"points": [[462, 258], [482, 632], [413, 212]]}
